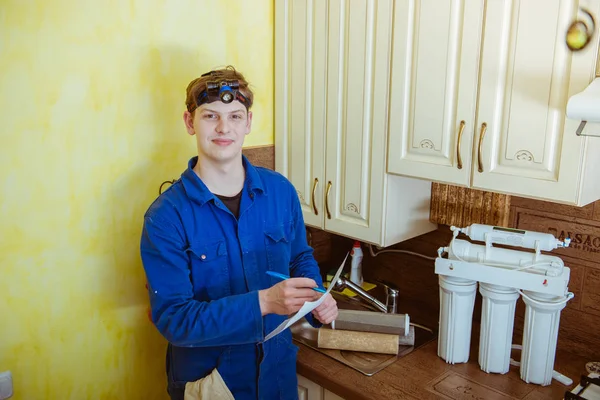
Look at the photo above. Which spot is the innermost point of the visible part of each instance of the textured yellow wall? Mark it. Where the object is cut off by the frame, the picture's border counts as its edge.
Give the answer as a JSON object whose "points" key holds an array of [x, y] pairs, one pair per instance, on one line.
{"points": [[91, 98]]}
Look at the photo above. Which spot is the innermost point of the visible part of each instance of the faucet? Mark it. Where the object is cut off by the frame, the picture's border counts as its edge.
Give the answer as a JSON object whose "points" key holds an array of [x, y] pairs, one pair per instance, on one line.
{"points": [[391, 295]]}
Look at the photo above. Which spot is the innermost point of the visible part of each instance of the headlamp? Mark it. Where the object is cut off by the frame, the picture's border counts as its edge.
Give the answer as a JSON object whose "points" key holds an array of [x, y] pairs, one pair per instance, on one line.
{"points": [[222, 90]]}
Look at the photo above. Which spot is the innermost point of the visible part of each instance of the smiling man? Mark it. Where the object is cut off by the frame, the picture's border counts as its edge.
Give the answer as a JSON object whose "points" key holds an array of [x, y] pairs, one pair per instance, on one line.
{"points": [[207, 244]]}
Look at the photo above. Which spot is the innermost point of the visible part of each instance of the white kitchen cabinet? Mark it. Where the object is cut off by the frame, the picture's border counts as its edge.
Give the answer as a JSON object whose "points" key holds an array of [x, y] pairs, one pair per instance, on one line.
{"points": [[434, 88], [309, 390], [527, 77], [491, 84], [327, 395], [332, 71]]}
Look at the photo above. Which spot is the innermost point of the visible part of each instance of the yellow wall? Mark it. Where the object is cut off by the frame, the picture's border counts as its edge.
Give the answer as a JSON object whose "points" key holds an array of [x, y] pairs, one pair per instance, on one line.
{"points": [[91, 98]]}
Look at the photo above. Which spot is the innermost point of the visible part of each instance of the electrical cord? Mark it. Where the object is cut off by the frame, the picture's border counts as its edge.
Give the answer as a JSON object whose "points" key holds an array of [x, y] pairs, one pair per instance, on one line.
{"points": [[422, 327], [373, 254], [160, 189], [568, 297]]}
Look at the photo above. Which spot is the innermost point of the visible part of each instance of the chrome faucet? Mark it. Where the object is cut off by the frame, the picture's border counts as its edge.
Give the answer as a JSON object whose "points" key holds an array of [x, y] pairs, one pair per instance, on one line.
{"points": [[391, 297]]}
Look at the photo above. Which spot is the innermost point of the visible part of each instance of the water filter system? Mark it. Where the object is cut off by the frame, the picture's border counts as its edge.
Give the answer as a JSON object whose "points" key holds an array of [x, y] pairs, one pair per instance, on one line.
{"points": [[503, 276]]}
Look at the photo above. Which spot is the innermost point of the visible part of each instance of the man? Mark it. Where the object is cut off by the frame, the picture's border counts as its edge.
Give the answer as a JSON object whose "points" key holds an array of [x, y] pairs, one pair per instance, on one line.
{"points": [[207, 244]]}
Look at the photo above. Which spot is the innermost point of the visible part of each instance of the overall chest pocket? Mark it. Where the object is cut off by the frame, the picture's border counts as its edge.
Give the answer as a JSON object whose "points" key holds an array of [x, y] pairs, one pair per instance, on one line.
{"points": [[209, 270], [278, 242]]}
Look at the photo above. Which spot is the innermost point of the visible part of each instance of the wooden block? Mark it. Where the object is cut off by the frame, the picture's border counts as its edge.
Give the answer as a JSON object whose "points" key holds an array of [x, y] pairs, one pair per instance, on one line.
{"points": [[367, 342]]}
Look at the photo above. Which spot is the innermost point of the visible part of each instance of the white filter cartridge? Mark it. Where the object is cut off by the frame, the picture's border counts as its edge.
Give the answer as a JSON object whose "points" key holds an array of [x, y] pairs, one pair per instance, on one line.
{"points": [[457, 299], [540, 334], [511, 259], [513, 237], [497, 321]]}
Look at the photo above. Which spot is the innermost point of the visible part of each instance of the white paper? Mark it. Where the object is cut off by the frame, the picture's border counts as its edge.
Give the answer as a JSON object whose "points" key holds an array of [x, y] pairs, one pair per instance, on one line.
{"points": [[307, 307]]}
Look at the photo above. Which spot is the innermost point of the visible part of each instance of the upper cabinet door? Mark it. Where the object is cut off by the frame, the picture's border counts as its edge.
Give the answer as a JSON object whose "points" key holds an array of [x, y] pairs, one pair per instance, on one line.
{"points": [[358, 88], [524, 144], [300, 97], [434, 88]]}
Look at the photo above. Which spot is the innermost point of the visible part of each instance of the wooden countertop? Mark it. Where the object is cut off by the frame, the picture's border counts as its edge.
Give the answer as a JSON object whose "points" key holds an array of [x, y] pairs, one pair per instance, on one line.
{"points": [[423, 375]]}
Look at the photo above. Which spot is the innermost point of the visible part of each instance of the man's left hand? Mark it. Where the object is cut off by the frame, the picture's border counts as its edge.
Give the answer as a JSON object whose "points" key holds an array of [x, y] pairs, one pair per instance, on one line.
{"points": [[327, 311]]}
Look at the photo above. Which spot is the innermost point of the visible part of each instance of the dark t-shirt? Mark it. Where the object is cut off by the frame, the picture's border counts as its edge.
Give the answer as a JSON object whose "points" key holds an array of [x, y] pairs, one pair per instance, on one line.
{"points": [[233, 203]]}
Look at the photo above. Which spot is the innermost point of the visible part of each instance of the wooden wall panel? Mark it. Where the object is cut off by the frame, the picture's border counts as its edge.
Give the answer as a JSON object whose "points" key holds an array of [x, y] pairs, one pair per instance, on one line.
{"points": [[596, 212], [576, 285], [590, 299], [552, 208], [261, 156], [581, 318], [576, 334], [584, 234], [453, 205]]}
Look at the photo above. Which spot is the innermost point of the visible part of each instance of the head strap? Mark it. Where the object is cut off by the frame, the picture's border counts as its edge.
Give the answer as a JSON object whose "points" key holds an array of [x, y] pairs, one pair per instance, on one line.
{"points": [[221, 90]]}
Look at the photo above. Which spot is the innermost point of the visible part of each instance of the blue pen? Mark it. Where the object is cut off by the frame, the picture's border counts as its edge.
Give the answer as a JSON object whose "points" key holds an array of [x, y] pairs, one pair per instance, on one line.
{"points": [[284, 277]]}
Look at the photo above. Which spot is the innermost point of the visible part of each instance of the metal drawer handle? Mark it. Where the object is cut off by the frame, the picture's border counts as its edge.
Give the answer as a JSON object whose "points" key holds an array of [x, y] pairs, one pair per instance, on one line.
{"points": [[460, 133], [315, 183], [327, 200], [481, 135]]}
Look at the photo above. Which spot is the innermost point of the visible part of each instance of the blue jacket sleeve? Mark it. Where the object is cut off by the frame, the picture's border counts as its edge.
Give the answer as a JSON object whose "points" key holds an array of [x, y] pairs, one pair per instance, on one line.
{"points": [[181, 319], [302, 261]]}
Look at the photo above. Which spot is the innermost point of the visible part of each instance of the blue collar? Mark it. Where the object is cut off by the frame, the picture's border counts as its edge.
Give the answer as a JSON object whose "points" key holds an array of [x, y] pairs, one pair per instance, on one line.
{"points": [[197, 190]]}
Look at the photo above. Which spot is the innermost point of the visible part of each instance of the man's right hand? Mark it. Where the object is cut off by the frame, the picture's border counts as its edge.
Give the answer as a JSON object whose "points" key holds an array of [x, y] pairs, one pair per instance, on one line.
{"points": [[287, 297]]}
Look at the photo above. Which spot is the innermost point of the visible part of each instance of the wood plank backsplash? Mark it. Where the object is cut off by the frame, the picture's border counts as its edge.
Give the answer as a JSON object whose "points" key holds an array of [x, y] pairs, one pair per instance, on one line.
{"points": [[459, 206], [450, 205]]}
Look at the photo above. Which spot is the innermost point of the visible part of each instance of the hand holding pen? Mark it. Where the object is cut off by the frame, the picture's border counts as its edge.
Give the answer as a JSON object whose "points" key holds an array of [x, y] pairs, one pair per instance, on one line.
{"points": [[288, 296], [291, 292], [285, 277]]}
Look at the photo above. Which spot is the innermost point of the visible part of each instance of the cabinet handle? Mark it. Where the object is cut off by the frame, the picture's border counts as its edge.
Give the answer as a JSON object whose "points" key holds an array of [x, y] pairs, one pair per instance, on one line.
{"points": [[481, 135], [327, 200], [315, 183], [460, 132]]}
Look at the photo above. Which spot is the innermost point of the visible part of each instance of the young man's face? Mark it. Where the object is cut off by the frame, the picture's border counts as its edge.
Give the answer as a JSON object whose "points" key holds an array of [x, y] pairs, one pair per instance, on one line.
{"points": [[220, 129]]}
